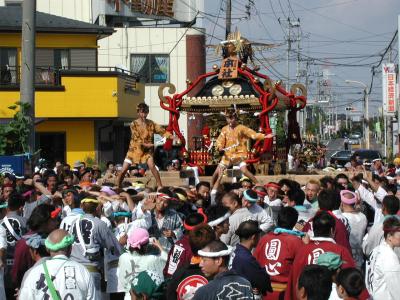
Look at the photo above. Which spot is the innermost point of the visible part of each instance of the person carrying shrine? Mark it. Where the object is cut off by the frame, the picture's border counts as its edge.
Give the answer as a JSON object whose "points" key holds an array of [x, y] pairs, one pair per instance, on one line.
{"points": [[141, 146], [233, 142], [92, 236], [225, 284], [58, 277], [324, 230]]}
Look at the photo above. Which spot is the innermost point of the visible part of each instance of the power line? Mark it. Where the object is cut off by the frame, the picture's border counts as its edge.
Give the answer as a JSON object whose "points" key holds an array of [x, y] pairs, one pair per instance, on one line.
{"points": [[277, 18], [380, 62], [283, 12], [334, 20], [316, 7], [215, 24], [290, 9]]}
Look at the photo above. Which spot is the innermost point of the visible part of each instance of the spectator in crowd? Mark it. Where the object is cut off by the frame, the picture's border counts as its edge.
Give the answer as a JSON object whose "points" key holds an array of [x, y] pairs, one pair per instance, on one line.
{"points": [[357, 224], [214, 265], [328, 201], [114, 227], [181, 252], [245, 264], [312, 190], [324, 225], [238, 215], [375, 236], [218, 219], [249, 200], [314, 283], [382, 274], [60, 276], [166, 223], [349, 283], [188, 278], [140, 257]]}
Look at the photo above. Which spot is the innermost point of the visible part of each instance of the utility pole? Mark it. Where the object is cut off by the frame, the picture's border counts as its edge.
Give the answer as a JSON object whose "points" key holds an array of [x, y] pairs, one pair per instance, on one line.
{"points": [[367, 143], [228, 20], [388, 121], [298, 52], [300, 114], [290, 25], [27, 87], [398, 102]]}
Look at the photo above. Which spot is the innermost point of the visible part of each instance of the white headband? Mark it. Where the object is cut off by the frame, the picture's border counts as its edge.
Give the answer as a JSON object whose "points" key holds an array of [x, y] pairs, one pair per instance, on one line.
{"points": [[219, 220], [215, 254]]}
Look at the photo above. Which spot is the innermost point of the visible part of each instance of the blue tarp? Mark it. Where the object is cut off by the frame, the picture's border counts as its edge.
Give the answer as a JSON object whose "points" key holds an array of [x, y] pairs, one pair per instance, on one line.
{"points": [[14, 164]]}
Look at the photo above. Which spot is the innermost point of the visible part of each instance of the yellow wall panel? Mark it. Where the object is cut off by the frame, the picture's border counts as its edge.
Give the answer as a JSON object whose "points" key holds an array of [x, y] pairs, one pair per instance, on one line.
{"points": [[79, 137], [83, 97], [49, 40], [7, 98]]}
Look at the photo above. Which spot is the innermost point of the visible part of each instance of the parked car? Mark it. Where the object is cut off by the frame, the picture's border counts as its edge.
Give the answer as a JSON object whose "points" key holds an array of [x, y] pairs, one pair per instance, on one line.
{"points": [[356, 135], [340, 157], [367, 155], [354, 141]]}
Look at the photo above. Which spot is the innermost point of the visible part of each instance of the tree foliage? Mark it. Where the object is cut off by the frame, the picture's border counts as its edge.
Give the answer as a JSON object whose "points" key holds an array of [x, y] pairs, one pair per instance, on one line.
{"points": [[14, 135]]}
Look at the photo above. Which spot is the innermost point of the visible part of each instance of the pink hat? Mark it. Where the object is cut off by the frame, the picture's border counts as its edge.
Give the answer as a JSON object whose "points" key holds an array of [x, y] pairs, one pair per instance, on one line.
{"points": [[138, 237], [106, 189], [345, 200]]}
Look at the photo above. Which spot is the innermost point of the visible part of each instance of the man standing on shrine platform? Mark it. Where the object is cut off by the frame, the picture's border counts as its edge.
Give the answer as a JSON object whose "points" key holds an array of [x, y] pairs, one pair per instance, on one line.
{"points": [[233, 142]]}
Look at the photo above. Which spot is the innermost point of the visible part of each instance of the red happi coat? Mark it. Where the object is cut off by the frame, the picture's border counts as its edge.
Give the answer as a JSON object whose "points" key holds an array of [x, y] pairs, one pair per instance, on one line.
{"points": [[179, 255], [341, 234], [308, 255], [276, 253]]}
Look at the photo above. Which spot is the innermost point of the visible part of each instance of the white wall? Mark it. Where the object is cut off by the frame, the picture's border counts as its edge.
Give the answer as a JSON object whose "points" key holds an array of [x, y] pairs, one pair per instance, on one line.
{"points": [[114, 49], [73, 9]]}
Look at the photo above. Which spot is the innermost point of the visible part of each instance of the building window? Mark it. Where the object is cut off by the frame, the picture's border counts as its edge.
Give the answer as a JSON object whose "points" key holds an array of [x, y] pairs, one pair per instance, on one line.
{"points": [[62, 59], [8, 65], [152, 68]]}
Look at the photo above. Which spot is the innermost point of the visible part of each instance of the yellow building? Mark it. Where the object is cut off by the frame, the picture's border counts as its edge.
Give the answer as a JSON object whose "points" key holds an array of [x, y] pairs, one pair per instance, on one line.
{"points": [[81, 109]]}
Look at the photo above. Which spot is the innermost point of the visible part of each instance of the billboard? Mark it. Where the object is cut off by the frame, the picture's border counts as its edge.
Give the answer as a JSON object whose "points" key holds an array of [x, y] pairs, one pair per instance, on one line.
{"points": [[389, 89]]}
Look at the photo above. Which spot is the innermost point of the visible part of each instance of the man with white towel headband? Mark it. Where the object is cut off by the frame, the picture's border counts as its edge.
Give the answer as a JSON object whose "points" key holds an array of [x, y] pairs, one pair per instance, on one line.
{"points": [[225, 284]]}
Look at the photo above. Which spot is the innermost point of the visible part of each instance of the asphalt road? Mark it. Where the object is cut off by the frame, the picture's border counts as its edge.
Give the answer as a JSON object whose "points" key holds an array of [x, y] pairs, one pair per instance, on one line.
{"points": [[333, 146]]}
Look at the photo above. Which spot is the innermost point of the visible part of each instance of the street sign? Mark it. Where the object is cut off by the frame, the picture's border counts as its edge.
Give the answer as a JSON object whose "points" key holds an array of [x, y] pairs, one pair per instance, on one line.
{"points": [[389, 89]]}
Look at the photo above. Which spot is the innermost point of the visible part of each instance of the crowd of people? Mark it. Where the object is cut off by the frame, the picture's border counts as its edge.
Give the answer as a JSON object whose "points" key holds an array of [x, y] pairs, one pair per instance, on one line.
{"points": [[68, 235], [86, 233]]}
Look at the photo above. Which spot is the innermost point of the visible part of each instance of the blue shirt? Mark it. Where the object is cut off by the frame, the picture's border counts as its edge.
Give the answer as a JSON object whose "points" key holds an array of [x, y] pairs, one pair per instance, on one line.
{"points": [[245, 265]]}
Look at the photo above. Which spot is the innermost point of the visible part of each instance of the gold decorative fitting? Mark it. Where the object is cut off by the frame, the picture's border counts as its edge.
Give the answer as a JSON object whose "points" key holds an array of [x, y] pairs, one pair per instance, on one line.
{"points": [[278, 82], [188, 81], [302, 88], [256, 80], [243, 66], [171, 90], [215, 67]]}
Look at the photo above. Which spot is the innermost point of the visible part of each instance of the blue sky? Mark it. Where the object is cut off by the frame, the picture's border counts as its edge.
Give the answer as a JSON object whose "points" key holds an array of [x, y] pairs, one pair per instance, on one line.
{"points": [[339, 32]]}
